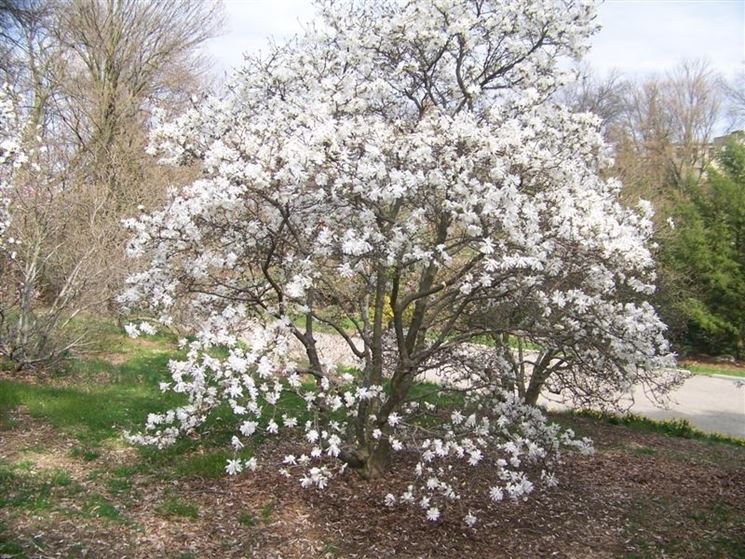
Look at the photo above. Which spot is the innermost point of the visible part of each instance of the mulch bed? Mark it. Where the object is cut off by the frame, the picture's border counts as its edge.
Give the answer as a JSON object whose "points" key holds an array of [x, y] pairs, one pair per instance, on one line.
{"points": [[643, 495]]}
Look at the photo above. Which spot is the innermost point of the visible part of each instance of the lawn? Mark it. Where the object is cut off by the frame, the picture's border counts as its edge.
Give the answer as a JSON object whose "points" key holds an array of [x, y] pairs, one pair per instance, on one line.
{"points": [[708, 368], [70, 487]]}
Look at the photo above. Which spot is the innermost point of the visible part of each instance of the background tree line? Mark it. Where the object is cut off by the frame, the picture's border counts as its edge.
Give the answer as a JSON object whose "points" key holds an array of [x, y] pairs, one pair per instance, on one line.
{"points": [[678, 143], [86, 75]]}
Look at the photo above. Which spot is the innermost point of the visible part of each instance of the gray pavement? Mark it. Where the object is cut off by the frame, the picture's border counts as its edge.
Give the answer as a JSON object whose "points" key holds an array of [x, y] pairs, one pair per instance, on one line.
{"points": [[714, 404]]}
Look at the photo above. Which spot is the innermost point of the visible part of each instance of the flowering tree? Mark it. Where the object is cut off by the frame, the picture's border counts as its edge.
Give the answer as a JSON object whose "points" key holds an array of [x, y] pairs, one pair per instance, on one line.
{"points": [[398, 176]]}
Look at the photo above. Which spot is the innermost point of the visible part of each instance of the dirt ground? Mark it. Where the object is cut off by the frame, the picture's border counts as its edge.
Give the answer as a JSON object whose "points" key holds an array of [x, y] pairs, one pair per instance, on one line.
{"points": [[639, 495]]}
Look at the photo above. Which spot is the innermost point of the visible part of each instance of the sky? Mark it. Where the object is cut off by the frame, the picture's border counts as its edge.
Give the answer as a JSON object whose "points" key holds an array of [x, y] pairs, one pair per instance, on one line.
{"points": [[638, 37]]}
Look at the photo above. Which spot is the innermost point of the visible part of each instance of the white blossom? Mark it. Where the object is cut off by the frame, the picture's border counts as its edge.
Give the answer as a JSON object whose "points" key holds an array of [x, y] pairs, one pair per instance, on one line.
{"points": [[234, 467], [496, 494]]}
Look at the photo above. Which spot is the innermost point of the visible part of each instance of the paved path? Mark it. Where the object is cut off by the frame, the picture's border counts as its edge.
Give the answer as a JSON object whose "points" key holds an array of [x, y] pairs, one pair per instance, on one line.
{"points": [[713, 404]]}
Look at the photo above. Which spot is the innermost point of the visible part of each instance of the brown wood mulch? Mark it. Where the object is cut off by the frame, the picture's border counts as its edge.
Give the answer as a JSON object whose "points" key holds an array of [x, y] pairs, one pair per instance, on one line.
{"points": [[639, 495]]}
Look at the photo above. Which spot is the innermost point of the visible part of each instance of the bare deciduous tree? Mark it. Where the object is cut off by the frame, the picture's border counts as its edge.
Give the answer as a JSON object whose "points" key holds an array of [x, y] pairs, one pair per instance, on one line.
{"points": [[86, 76], [604, 96], [668, 125], [129, 55], [735, 97]]}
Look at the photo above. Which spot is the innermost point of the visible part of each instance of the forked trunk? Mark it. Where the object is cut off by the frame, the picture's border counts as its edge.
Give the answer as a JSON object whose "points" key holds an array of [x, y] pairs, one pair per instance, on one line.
{"points": [[369, 465], [377, 462]]}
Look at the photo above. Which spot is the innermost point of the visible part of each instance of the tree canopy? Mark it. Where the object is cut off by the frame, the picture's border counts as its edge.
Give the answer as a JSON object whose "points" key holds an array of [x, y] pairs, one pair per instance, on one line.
{"points": [[399, 175]]}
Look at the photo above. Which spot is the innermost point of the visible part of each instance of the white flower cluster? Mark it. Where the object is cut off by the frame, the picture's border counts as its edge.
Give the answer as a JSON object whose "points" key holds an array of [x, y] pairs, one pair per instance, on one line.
{"points": [[11, 157], [507, 438]]}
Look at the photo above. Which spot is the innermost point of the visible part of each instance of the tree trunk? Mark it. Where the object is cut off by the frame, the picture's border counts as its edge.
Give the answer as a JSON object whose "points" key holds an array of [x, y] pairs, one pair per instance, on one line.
{"points": [[369, 465], [532, 394]]}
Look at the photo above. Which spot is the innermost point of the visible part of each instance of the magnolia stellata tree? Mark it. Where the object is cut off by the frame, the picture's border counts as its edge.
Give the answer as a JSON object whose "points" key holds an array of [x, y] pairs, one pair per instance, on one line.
{"points": [[390, 175], [12, 157]]}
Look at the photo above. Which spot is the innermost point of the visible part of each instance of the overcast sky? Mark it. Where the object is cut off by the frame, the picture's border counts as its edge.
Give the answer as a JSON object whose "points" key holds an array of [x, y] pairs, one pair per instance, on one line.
{"points": [[639, 36]]}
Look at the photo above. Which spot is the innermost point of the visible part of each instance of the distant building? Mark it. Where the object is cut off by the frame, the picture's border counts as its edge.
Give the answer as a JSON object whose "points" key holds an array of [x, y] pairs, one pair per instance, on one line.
{"points": [[737, 135]]}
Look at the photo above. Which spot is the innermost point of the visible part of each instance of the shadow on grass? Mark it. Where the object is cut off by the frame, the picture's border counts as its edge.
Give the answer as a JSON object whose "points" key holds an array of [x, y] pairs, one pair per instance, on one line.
{"points": [[23, 487], [141, 365], [94, 411]]}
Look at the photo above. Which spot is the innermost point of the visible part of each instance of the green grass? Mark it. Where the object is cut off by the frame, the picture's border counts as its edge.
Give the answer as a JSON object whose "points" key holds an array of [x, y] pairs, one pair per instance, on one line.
{"points": [[60, 478], [94, 404], [250, 519], [7, 421], [245, 518], [714, 370], [176, 507], [345, 324], [119, 486], [92, 412], [710, 519], [210, 465], [97, 506], [512, 341], [104, 335], [21, 486], [202, 456], [8, 548], [644, 451], [86, 454], [266, 513]]}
